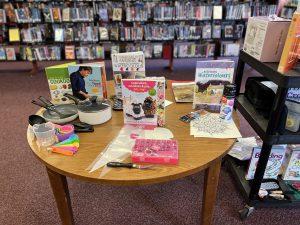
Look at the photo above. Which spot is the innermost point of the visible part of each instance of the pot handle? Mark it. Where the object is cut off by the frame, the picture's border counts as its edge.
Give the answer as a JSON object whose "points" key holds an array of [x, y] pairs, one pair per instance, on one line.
{"points": [[39, 104], [72, 97]]}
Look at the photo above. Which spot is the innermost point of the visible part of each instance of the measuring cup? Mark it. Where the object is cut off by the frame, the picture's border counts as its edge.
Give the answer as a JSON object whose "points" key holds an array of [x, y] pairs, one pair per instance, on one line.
{"points": [[45, 134]]}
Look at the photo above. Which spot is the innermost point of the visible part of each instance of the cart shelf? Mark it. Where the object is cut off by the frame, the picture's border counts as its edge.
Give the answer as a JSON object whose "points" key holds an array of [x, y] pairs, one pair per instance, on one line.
{"points": [[259, 124], [268, 130]]}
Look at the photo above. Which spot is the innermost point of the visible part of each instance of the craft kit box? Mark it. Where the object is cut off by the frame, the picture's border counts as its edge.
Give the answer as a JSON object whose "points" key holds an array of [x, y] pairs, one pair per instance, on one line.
{"points": [[265, 37]]}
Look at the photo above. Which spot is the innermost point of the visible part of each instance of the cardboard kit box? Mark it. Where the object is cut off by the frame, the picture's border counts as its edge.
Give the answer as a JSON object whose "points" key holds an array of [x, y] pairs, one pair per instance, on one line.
{"points": [[265, 37]]}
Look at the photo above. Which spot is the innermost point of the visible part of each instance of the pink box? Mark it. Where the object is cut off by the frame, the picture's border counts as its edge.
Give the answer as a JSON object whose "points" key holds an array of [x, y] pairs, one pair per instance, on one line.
{"points": [[155, 151]]}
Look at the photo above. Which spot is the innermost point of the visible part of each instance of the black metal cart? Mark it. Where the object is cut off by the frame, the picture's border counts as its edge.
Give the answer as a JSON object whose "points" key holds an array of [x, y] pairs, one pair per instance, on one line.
{"points": [[267, 129]]}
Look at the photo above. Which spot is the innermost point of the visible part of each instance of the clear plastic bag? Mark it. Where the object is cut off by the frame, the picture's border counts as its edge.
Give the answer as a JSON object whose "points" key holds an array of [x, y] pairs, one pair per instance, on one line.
{"points": [[119, 148]]}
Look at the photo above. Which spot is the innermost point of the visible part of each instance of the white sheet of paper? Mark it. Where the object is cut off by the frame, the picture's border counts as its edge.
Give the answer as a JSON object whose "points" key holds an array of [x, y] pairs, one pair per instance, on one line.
{"points": [[211, 126]]}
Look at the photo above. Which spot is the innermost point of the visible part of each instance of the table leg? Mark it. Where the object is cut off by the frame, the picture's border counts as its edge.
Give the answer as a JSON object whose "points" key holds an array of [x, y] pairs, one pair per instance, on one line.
{"points": [[210, 192], [61, 193]]}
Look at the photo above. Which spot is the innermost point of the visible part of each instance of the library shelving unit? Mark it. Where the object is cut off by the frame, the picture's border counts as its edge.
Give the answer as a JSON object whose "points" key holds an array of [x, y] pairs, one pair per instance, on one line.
{"points": [[183, 28], [268, 130]]}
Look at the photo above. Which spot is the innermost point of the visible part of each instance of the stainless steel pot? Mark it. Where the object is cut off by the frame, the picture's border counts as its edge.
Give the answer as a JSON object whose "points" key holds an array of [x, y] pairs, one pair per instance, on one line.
{"points": [[93, 111]]}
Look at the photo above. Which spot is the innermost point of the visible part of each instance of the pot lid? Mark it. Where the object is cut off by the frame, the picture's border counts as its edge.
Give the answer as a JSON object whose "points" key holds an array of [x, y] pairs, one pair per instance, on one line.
{"points": [[93, 106]]}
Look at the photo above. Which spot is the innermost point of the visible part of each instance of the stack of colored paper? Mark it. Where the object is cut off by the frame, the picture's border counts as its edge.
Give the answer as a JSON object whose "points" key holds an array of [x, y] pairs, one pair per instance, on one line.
{"points": [[68, 146]]}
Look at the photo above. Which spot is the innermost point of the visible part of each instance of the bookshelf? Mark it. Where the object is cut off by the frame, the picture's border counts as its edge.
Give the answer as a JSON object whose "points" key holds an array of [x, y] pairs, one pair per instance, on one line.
{"points": [[33, 30]]}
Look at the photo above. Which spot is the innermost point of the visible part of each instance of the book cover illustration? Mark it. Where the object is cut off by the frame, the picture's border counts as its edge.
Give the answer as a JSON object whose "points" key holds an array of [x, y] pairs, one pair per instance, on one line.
{"points": [[127, 66], [2, 54], [117, 14], [292, 169], [89, 78], [141, 100], [273, 166], [56, 14], [66, 14], [10, 12], [14, 34], [183, 90], [211, 76], [291, 49], [59, 82], [69, 52], [103, 14], [10, 53], [48, 17]]}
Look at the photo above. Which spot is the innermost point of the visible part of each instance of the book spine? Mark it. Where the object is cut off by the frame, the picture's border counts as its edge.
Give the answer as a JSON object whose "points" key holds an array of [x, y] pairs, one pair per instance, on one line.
{"points": [[290, 46]]}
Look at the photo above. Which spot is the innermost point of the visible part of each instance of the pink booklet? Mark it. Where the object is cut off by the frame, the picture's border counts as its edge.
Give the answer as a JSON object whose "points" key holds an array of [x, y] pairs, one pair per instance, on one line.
{"points": [[155, 151]]}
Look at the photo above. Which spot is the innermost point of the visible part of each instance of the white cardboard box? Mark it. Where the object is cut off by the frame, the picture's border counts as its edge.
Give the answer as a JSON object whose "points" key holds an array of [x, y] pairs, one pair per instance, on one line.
{"points": [[265, 37]]}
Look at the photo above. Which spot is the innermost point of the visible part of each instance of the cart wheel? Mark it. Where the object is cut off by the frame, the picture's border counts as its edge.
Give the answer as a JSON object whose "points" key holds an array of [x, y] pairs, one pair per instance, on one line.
{"points": [[245, 212]]}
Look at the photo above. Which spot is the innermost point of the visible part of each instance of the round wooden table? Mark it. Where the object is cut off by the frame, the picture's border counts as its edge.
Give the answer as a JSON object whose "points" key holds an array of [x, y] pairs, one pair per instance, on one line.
{"points": [[195, 155]]}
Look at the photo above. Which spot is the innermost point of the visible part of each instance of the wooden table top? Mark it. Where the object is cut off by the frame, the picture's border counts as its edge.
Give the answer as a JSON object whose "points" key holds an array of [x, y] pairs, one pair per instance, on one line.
{"points": [[195, 154]]}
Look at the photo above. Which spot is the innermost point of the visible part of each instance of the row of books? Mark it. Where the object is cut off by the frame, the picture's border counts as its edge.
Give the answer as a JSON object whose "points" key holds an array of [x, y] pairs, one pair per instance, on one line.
{"points": [[72, 52], [90, 33], [192, 49], [150, 50], [207, 31], [7, 53], [140, 11], [48, 14]]}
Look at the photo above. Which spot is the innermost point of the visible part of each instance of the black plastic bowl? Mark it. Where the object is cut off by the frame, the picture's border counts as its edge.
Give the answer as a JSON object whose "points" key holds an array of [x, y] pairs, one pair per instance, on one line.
{"points": [[35, 119]]}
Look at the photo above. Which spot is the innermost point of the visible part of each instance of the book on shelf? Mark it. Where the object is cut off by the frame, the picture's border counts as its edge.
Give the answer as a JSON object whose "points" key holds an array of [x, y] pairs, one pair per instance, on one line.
{"points": [[94, 84], [143, 102], [100, 52], [10, 53], [217, 12], [210, 78], [10, 12], [273, 166], [228, 31], [103, 33], [103, 15], [36, 15], [68, 34], [117, 14], [70, 52], [216, 30], [127, 66], [229, 48], [206, 31], [14, 34], [183, 90], [239, 31], [59, 82], [291, 49], [2, 16], [114, 49], [157, 50], [291, 164], [29, 54], [56, 14], [59, 35], [48, 17], [114, 33], [66, 14], [2, 54]]}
